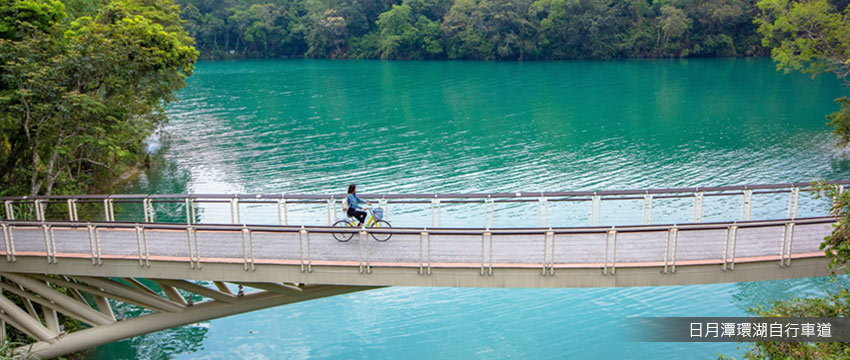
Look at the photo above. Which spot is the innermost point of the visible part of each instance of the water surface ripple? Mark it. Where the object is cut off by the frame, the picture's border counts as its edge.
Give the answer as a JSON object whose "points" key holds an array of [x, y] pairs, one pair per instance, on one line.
{"points": [[296, 126]]}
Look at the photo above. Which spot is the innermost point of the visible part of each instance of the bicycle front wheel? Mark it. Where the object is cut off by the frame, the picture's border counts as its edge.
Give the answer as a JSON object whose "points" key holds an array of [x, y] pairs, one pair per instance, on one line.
{"points": [[343, 236], [382, 224]]}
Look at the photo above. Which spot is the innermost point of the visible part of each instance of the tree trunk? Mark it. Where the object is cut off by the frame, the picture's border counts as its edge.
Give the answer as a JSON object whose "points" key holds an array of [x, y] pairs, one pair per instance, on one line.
{"points": [[51, 178], [51, 166], [34, 179]]}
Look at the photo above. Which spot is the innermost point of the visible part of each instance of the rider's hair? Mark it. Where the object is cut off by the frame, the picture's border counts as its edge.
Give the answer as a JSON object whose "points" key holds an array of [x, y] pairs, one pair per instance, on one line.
{"points": [[352, 188]]}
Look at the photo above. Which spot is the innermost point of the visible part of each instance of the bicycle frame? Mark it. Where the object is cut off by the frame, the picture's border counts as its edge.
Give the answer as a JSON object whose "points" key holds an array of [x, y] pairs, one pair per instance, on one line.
{"points": [[369, 222]]}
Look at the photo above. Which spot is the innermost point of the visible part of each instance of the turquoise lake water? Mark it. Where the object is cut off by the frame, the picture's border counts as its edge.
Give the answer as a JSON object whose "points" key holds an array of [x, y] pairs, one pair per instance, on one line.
{"points": [[300, 126]]}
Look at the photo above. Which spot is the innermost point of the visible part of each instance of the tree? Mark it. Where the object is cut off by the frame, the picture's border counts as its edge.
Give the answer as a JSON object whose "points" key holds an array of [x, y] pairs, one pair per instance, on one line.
{"points": [[398, 36], [508, 26], [328, 36], [832, 305], [475, 29], [266, 26], [80, 98], [811, 36], [673, 23], [585, 29], [402, 38], [19, 19], [836, 247]]}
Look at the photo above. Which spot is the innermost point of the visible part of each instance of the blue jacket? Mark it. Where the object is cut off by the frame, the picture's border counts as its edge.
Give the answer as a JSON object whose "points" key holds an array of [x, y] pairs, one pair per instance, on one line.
{"points": [[354, 202]]}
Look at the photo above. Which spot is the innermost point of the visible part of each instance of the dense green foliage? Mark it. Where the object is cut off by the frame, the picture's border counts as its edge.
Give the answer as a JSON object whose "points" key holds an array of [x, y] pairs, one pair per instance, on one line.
{"points": [[836, 304], [472, 29], [79, 95], [812, 36], [836, 245]]}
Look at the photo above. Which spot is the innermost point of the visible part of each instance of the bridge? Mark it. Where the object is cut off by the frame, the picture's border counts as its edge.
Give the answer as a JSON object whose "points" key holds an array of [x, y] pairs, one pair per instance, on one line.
{"points": [[189, 258]]}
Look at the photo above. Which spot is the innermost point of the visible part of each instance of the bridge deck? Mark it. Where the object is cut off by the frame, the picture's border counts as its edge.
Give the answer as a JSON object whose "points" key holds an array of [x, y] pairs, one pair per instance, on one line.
{"points": [[567, 250]]}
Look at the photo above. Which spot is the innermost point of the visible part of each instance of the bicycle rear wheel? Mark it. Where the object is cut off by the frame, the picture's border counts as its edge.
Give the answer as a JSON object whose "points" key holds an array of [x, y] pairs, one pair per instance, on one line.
{"points": [[382, 224], [343, 236]]}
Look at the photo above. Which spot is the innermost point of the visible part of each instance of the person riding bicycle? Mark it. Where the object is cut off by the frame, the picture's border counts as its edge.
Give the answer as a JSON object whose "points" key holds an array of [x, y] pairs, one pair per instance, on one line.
{"points": [[354, 202]]}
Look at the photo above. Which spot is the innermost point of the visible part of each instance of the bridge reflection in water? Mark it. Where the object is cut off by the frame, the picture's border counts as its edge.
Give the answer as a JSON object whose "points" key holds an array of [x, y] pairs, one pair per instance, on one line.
{"points": [[104, 259]]}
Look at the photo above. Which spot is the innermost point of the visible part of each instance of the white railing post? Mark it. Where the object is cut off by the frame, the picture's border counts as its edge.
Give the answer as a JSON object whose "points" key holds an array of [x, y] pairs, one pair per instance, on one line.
{"points": [[37, 206], [245, 237], [796, 201], [483, 235], [189, 243], [421, 250], [613, 252], [790, 244], [734, 245], [70, 210], [698, 199], [725, 249], [749, 204], [10, 210], [433, 204], [486, 211], [545, 242], [106, 209], [649, 221], [46, 230], [592, 208], [92, 230], [145, 209], [675, 246], [279, 217], [188, 211], [139, 242], [362, 237], [790, 201], [111, 210], [598, 210], [6, 240], [743, 203], [301, 234], [701, 198], [285, 212]]}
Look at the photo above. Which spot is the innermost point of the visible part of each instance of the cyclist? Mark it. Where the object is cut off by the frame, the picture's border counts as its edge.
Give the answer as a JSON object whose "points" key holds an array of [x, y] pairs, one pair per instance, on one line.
{"points": [[354, 202]]}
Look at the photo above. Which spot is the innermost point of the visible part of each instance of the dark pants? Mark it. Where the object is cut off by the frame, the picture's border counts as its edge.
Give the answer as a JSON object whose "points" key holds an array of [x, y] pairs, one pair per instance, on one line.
{"points": [[359, 214]]}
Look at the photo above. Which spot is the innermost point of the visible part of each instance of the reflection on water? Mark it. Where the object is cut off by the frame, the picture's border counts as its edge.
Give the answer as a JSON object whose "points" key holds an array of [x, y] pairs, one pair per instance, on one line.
{"points": [[427, 127], [159, 345], [397, 127], [424, 323], [751, 294]]}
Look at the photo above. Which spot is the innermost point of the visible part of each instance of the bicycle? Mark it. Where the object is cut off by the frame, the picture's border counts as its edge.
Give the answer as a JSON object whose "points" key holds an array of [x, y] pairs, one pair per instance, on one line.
{"points": [[375, 219]]}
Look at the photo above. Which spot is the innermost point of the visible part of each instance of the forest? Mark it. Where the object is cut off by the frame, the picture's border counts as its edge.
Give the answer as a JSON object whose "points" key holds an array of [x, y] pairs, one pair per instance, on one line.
{"points": [[473, 29], [82, 84]]}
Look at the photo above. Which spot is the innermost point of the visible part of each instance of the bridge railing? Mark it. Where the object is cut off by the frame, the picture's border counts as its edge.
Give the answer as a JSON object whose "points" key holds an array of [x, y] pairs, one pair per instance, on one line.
{"points": [[605, 248], [523, 209]]}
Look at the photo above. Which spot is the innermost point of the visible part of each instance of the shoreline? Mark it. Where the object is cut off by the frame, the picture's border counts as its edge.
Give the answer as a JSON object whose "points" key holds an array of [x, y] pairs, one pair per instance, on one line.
{"points": [[128, 175]]}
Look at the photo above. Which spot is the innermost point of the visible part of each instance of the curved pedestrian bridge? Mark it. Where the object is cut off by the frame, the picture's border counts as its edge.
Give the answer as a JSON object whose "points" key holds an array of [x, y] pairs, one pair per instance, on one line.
{"points": [[76, 242], [423, 257]]}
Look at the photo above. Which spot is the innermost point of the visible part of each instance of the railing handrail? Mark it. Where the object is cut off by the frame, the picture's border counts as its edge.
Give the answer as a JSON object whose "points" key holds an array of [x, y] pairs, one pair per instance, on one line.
{"points": [[783, 187], [433, 231]]}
